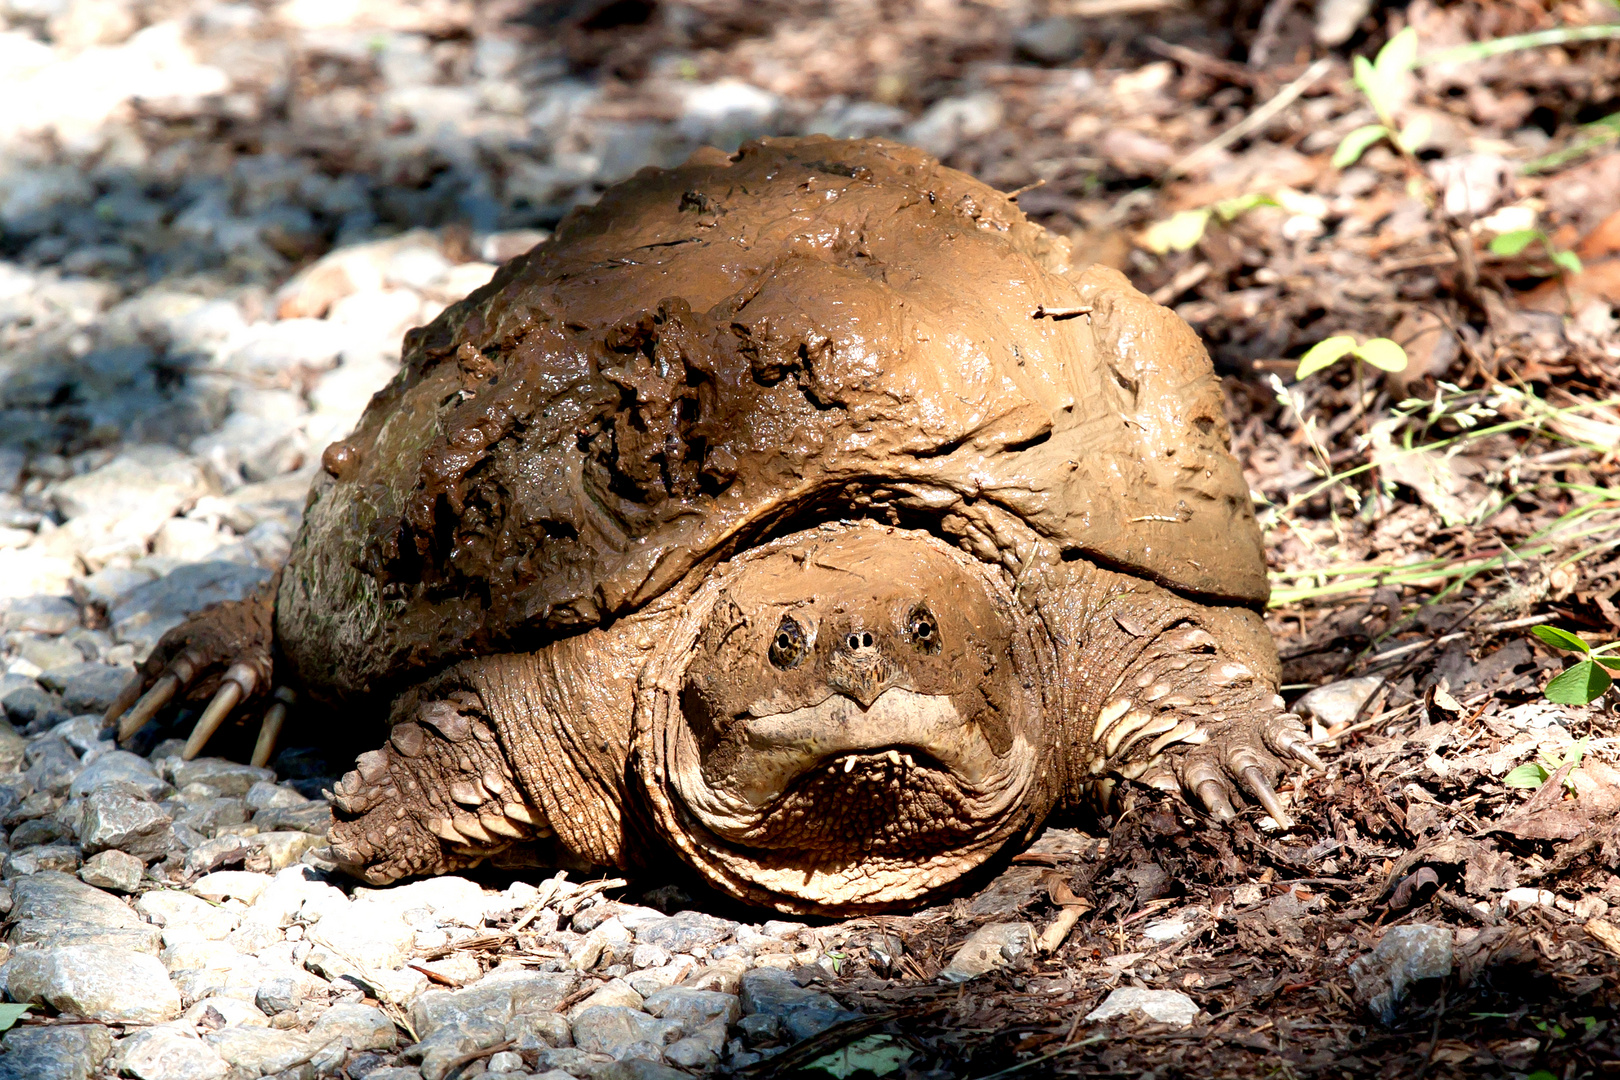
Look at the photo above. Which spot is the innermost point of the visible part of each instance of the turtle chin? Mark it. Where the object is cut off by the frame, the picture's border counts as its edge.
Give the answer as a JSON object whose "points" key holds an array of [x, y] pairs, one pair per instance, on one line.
{"points": [[841, 807], [907, 777]]}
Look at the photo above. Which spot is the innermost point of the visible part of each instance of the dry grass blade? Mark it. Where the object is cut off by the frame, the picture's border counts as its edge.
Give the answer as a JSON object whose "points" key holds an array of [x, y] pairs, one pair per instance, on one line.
{"points": [[1255, 121]]}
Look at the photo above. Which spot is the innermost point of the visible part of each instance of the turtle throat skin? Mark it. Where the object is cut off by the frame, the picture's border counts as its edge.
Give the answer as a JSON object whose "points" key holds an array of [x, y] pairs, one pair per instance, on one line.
{"points": [[857, 700]]}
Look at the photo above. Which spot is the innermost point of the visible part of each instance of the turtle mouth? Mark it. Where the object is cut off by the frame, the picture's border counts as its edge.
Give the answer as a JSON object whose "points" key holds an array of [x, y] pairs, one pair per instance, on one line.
{"points": [[901, 734]]}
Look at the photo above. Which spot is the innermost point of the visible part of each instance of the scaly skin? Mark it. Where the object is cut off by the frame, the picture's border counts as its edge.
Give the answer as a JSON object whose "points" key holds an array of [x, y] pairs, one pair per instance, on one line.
{"points": [[620, 744]]}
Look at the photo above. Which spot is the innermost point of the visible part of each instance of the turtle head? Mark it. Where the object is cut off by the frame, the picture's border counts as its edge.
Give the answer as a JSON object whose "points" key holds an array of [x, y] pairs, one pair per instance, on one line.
{"points": [[858, 720]]}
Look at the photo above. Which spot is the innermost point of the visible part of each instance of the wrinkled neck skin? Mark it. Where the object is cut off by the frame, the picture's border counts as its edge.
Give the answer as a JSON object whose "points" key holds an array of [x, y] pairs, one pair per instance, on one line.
{"points": [[848, 719]]}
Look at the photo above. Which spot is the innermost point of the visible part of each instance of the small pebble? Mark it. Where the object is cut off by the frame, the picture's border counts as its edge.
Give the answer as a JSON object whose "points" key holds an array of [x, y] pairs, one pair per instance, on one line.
{"points": [[113, 870], [1403, 956], [1170, 1007]]}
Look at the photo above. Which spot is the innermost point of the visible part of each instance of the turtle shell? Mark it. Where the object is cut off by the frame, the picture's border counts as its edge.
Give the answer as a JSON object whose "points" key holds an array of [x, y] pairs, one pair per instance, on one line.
{"points": [[809, 330]]}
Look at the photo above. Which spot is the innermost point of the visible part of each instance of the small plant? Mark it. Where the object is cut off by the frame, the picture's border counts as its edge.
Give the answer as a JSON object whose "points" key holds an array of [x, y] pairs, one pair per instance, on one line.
{"points": [[1380, 82], [1381, 353], [1586, 681], [1509, 244], [1451, 402], [1182, 230], [1535, 773], [10, 1014]]}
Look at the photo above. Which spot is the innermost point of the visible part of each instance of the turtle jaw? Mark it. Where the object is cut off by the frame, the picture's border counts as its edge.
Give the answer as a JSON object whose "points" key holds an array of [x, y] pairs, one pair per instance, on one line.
{"points": [[853, 808], [845, 831], [774, 750]]}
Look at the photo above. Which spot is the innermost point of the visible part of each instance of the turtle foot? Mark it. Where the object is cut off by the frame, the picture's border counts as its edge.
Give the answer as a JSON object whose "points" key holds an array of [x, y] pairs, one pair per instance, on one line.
{"points": [[221, 657], [438, 796], [1206, 727]]}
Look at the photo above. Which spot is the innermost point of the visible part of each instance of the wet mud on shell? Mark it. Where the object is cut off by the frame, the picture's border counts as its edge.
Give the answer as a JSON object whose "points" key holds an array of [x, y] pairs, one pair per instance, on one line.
{"points": [[818, 327]]}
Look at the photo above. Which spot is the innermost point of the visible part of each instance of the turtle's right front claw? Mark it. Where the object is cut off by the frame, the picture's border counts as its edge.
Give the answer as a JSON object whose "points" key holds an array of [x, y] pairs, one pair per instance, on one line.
{"points": [[1254, 778], [223, 653], [177, 675]]}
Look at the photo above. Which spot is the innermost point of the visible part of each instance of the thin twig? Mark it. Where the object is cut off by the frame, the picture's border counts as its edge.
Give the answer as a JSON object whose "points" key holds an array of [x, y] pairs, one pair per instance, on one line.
{"points": [[464, 1060], [1446, 639], [1255, 120], [1270, 25], [1012, 196], [1561, 35], [1389, 680], [1101, 9], [1209, 65]]}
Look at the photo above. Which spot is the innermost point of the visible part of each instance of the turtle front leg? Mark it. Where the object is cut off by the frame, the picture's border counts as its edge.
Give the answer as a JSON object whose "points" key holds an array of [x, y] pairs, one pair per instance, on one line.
{"points": [[1194, 708], [221, 656], [439, 796]]}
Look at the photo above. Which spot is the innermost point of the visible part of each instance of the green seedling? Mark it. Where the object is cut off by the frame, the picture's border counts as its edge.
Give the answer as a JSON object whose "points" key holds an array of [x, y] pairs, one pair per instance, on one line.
{"points": [[1182, 230], [1586, 681], [1380, 81], [1533, 774], [1381, 353], [1509, 244]]}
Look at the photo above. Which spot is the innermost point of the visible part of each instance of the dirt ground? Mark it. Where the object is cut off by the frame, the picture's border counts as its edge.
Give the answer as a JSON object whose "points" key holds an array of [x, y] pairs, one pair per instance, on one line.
{"points": [[1418, 522]]}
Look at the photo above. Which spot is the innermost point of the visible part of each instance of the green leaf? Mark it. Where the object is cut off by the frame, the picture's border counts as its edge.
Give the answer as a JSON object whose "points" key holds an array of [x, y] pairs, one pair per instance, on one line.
{"points": [[1353, 145], [1530, 775], [1362, 74], [1178, 232], [1324, 354], [1511, 243], [1398, 56], [1567, 261], [10, 1014], [1382, 354], [1381, 79], [1580, 685], [1577, 750], [1228, 209], [1416, 133], [1610, 662], [876, 1054], [1560, 639]]}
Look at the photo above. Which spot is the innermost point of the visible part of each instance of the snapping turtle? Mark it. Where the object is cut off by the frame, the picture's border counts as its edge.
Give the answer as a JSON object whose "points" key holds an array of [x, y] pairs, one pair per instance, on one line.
{"points": [[800, 512]]}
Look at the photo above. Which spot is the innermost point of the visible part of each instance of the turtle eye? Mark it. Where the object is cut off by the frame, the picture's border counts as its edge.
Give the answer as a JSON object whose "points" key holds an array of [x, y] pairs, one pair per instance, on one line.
{"points": [[789, 644], [923, 629]]}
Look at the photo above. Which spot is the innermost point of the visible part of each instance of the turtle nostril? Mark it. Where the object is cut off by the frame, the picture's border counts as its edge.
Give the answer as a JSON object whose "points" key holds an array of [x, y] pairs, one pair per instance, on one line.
{"points": [[860, 640]]}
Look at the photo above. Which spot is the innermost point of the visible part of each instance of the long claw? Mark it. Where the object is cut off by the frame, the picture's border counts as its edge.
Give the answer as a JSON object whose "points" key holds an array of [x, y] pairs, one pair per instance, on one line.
{"points": [[126, 697], [1296, 744], [270, 729], [238, 684], [1304, 753], [1262, 790], [147, 707], [1213, 796]]}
